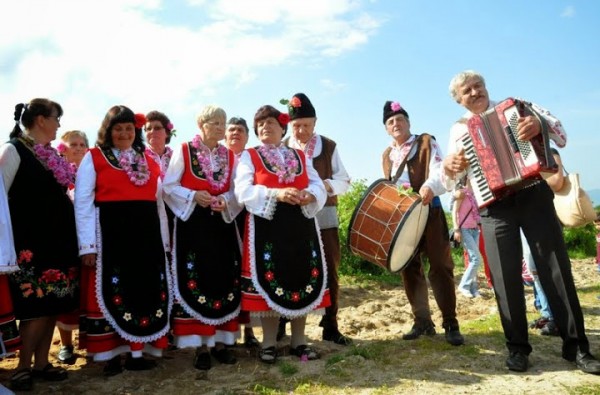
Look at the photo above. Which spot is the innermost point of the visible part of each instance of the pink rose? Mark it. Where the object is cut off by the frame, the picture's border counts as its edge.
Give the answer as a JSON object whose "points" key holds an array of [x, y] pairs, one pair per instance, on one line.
{"points": [[395, 106]]}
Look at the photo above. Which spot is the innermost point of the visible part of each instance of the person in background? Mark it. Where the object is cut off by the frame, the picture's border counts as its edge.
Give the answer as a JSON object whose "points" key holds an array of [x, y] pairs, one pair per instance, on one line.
{"points": [[597, 225], [123, 240], [207, 261], [412, 160], [284, 273], [73, 146], [236, 138], [531, 209], [465, 216], [36, 179], [10, 341], [327, 161]]}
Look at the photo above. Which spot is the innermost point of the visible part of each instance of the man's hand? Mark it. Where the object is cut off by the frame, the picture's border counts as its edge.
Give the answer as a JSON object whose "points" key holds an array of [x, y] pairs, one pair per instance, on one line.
{"points": [[426, 195], [528, 127]]}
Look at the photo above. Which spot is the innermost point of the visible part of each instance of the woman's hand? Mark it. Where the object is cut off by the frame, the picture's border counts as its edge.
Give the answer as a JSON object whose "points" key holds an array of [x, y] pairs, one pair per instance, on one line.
{"points": [[203, 198], [306, 198], [457, 235], [288, 195], [217, 203], [89, 260]]}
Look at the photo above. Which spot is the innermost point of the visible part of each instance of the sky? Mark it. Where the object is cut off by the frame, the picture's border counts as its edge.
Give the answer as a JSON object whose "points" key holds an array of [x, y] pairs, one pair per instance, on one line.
{"points": [[347, 56]]}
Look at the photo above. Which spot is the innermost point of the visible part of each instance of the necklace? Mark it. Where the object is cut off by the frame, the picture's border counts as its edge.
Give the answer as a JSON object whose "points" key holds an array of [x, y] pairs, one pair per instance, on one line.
{"points": [[213, 163], [285, 164], [63, 171], [135, 166], [163, 160]]}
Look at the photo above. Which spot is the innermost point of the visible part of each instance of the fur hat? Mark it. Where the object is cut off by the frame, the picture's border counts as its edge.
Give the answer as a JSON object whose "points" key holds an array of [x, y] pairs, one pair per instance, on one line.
{"points": [[391, 108]]}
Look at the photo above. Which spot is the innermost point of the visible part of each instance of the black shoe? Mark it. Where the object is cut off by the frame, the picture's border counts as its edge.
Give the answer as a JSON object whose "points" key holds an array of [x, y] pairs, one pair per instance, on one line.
{"points": [[113, 367], [21, 380], [224, 356], [202, 360], [251, 342], [517, 361], [140, 363], [281, 328], [453, 336], [417, 331], [550, 329], [50, 373], [587, 363], [334, 335]]}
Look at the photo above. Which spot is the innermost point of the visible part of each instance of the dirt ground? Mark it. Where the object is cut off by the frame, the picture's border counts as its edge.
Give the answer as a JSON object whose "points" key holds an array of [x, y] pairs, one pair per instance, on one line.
{"points": [[379, 362]]}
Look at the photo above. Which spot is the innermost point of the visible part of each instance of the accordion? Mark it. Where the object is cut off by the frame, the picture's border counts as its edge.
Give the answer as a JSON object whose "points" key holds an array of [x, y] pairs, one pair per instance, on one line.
{"points": [[501, 163]]}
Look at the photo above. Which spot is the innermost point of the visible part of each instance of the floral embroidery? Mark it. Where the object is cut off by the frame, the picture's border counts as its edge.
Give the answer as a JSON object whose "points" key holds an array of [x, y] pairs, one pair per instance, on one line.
{"points": [[51, 281], [63, 171], [285, 165], [122, 308], [292, 295], [163, 160], [203, 299], [135, 165], [214, 164]]}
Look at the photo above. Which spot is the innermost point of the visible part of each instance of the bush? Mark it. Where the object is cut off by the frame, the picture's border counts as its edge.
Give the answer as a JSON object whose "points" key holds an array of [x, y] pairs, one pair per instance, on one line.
{"points": [[581, 242]]}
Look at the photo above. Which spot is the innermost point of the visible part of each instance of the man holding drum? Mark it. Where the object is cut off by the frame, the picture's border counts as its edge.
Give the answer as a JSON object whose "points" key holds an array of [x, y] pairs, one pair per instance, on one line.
{"points": [[327, 162], [531, 209], [410, 162]]}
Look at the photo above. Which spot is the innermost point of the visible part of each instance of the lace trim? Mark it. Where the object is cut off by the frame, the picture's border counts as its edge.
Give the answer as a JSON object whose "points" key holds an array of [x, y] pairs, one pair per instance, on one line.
{"points": [[275, 307], [102, 305], [188, 309]]}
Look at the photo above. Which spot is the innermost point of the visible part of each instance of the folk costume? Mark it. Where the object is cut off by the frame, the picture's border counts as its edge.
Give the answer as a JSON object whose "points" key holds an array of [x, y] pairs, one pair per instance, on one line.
{"points": [[46, 284], [284, 270], [128, 298], [10, 341], [207, 257]]}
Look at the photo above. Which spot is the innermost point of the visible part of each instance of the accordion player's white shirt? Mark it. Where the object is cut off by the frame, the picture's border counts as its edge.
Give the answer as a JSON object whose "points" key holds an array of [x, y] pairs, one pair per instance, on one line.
{"points": [[556, 133]]}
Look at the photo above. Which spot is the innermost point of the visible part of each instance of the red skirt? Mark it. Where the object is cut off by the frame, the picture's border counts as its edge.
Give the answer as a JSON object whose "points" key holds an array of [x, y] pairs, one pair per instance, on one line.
{"points": [[10, 340]]}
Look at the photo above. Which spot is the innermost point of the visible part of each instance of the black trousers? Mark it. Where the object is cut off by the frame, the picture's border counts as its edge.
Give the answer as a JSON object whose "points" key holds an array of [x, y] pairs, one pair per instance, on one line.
{"points": [[532, 210]]}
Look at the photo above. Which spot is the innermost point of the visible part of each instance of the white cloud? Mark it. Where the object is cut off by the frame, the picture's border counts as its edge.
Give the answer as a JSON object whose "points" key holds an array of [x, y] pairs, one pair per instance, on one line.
{"points": [[568, 12], [90, 55]]}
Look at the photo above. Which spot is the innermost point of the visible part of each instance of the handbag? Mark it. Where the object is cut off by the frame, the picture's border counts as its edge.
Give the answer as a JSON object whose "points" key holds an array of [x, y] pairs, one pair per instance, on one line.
{"points": [[454, 243], [573, 205]]}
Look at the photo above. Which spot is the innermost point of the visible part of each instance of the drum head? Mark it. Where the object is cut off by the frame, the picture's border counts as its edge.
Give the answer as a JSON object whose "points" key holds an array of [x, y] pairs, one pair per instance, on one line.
{"points": [[407, 238]]}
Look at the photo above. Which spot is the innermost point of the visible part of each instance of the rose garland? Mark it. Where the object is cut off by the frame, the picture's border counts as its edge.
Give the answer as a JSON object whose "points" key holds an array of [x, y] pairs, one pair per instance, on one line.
{"points": [[136, 166], [215, 162], [63, 171], [285, 166]]}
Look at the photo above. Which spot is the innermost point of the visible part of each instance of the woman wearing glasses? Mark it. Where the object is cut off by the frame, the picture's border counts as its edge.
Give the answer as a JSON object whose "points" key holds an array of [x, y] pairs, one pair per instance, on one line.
{"points": [[207, 257]]}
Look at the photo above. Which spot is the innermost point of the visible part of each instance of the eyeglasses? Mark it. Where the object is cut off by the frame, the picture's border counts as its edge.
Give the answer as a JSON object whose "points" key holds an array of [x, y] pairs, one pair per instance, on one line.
{"points": [[216, 124], [55, 117]]}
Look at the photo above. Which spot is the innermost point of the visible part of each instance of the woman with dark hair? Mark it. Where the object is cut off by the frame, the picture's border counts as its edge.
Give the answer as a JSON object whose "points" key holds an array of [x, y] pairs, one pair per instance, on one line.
{"points": [[123, 239], [207, 259], [36, 180], [159, 130], [284, 272]]}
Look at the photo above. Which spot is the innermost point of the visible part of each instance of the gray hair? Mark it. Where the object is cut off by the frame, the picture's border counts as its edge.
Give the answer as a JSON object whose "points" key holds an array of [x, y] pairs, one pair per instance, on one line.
{"points": [[459, 79], [210, 112]]}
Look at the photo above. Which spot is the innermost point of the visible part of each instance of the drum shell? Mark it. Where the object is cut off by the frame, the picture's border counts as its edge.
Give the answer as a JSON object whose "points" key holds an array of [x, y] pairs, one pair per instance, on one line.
{"points": [[387, 226]]}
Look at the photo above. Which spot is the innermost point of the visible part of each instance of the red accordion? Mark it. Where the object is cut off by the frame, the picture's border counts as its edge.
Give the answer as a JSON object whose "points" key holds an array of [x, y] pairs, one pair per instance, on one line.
{"points": [[501, 163]]}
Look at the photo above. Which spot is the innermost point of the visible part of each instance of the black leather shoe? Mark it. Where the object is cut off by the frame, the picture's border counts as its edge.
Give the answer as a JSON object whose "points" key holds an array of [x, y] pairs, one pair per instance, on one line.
{"points": [[517, 361], [417, 331], [140, 363], [224, 356], [334, 335], [454, 337], [587, 363]]}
